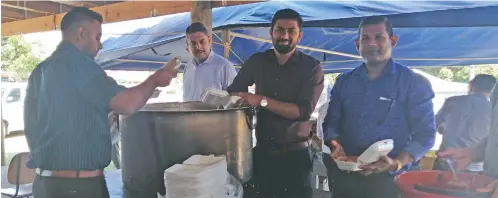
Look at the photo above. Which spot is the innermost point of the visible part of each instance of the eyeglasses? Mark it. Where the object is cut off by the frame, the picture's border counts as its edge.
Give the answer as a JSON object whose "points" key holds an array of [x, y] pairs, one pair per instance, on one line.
{"points": [[290, 31]]}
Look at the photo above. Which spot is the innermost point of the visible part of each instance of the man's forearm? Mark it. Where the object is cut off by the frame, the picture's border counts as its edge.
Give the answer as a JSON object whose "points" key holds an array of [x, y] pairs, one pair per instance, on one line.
{"points": [[405, 158], [286, 110], [132, 99]]}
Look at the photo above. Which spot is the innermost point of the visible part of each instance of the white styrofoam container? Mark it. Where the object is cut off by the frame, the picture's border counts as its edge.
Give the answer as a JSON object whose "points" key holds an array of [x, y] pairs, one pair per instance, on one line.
{"points": [[372, 154], [199, 176], [196, 189]]}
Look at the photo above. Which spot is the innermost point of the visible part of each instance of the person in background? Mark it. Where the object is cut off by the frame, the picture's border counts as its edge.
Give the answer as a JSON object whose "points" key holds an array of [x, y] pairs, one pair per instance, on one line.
{"points": [[206, 69], [485, 151], [378, 100], [288, 85], [464, 121], [68, 99]]}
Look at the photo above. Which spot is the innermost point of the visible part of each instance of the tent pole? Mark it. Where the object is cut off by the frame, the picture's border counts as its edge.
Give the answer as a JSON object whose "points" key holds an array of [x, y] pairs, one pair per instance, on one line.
{"points": [[3, 136], [225, 37]]}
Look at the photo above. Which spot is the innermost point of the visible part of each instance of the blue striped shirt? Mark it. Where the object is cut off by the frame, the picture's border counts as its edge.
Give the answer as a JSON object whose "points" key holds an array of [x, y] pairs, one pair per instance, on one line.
{"points": [[65, 115], [397, 105]]}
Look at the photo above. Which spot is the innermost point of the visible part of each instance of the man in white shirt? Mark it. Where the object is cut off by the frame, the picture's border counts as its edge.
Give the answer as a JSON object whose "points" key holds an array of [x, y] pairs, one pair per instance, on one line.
{"points": [[206, 69]]}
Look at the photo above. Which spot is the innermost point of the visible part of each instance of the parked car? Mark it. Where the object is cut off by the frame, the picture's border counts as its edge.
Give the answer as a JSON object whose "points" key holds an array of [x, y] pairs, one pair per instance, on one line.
{"points": [[13, 95]]}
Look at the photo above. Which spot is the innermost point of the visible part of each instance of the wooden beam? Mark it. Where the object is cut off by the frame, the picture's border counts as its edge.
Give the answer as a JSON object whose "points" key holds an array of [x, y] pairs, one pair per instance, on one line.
{"points": [[225, 38], [12, 13], [202, 12], [43, 6], [116, 12], [28, 7], [75, 3]]}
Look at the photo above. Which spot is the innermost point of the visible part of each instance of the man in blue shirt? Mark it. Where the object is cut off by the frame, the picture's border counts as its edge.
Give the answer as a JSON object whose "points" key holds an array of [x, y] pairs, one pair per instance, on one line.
{"points": [[379, 100]]}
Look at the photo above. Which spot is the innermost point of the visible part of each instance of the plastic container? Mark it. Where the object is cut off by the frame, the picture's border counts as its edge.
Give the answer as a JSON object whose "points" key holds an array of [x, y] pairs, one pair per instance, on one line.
{"points": [[372, 154], [219, 97], [427, 184]]}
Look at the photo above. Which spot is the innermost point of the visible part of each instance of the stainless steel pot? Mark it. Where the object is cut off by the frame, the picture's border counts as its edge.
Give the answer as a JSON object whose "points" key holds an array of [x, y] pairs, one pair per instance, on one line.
{"points": [[163, 134]]}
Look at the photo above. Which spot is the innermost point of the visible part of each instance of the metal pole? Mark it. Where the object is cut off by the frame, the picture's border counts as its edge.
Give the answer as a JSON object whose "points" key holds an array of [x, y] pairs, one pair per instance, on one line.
{"points": [[3, 136]]}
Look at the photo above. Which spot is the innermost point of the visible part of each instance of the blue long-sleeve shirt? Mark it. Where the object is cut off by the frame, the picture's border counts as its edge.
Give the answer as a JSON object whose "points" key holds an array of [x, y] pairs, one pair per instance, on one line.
{"points": [[397, 105]]}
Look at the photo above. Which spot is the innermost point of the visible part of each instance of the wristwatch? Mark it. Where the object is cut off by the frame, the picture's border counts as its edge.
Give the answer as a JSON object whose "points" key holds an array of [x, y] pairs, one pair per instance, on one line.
{"points": [[263, 102]]}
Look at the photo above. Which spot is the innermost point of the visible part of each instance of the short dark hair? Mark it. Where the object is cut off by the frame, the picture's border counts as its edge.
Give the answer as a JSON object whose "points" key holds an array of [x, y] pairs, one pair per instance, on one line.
{"points": [[196, 27], [287, 14], [483, 83], [77, 15], [374, 20]]}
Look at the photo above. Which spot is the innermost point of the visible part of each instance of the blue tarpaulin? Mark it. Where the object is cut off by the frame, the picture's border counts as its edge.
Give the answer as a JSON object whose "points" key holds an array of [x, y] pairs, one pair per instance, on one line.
{"points": [[435, 33]]}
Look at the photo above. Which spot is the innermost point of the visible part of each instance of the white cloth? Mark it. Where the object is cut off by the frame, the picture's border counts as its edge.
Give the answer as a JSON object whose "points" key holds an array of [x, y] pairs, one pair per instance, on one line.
{"points": [[322, 112]]}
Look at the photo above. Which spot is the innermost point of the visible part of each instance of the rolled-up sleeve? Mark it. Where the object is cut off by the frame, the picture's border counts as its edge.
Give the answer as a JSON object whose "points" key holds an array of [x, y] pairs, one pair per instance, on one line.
{"points": [[93, 83], [310, 93], [331, 123], [421, 117]]}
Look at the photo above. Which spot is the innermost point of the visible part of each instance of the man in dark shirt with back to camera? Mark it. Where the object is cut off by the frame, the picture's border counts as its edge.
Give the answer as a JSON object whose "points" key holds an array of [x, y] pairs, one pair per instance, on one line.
{"points": [[378, 100], [69, 97], [288, 85]]}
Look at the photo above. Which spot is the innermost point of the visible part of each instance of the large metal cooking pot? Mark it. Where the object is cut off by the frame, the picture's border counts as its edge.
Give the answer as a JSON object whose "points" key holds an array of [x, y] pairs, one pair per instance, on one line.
{"points": [[163, 134]]}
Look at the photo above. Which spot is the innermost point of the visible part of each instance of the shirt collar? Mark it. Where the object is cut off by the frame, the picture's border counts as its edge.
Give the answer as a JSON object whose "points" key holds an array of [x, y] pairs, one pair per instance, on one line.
{"points": [[390, 69], [208, 59], [68, 46], [295, 57]]}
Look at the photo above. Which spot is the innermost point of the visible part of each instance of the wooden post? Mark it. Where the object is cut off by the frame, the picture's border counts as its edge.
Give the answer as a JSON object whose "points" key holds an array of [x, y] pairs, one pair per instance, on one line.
{"points": [[201, 12], [225, 37], [2, 138]]}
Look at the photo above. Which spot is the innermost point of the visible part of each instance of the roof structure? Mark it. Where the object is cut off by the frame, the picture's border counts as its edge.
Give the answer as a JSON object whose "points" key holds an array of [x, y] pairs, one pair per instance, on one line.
{"points": [[23, 17]]}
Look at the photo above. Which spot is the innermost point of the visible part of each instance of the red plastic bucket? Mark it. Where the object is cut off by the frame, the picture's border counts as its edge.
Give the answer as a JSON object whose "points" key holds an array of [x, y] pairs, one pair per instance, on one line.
{"points": [[407, 181]]}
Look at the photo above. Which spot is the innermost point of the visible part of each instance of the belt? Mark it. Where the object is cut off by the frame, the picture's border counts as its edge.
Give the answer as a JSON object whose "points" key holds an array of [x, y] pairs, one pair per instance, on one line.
{"points": [[70, 173], [285, 148]]}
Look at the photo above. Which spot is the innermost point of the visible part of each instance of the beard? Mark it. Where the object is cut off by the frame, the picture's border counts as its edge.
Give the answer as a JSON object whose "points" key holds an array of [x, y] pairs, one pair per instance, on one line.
{"points": [[283, 49]]}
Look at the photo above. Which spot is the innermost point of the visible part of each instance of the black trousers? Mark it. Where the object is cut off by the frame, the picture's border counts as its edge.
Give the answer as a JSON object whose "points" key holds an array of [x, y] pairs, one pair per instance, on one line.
{"points": [[53, 187], [280, 175], [353, 185]]}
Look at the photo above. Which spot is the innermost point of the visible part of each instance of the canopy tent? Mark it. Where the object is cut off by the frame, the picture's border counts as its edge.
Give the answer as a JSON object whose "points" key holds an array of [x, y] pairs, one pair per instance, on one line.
{"points": [[329, 34]]}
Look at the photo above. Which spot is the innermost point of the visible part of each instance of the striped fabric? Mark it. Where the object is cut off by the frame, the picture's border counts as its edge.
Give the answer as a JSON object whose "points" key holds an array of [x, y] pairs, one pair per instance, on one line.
{"points": [[65, 113]]}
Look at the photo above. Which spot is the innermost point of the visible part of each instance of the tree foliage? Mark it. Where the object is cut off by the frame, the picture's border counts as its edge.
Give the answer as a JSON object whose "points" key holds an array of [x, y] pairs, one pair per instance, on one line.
{"points": [[17, 57], [461, 74]]}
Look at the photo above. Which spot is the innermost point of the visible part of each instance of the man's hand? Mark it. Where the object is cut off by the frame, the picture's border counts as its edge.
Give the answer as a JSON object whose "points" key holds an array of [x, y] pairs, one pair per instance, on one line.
{"points": [[163, 76], [382, 165], [461, 157], [493, 187], [249, 98], [336, 149]]}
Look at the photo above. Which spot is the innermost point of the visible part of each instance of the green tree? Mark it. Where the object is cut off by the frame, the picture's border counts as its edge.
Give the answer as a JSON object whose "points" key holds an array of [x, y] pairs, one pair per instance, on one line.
{"points": [[446, 74], [17, 57]]}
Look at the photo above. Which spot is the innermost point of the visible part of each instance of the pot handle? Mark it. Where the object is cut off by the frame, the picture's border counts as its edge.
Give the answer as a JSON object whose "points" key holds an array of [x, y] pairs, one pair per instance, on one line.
{"points": [[250, 116]]}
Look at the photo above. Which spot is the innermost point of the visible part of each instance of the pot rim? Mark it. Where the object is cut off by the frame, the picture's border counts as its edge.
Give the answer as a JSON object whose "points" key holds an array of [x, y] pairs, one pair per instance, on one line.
{"points": [[144, 109]]}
